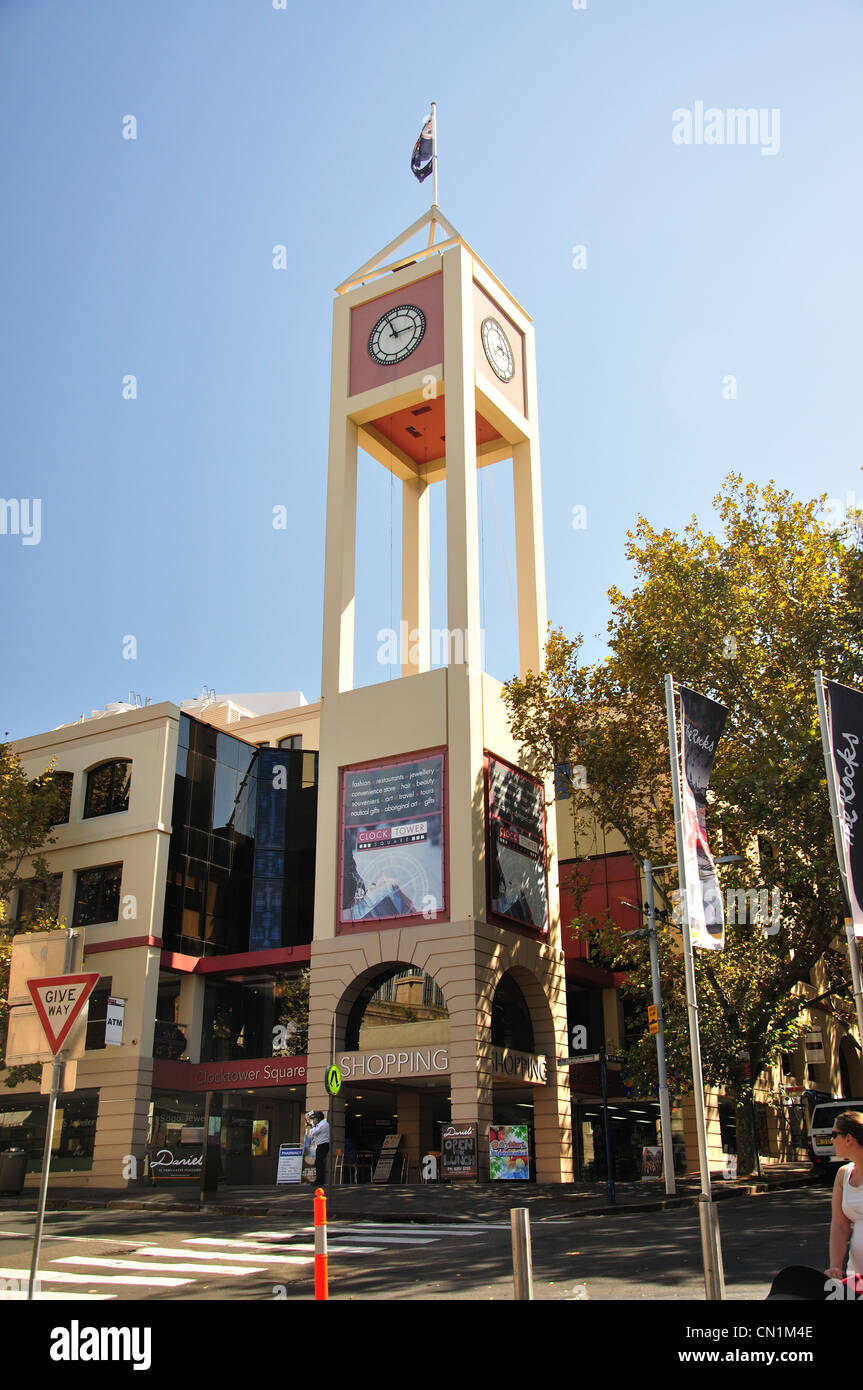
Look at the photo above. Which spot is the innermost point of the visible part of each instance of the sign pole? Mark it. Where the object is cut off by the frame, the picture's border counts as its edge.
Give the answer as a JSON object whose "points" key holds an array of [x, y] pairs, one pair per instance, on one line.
{"points": [[662, 1073], [714, 1284], [836, 816], [609, 1157], [56, 1073]]}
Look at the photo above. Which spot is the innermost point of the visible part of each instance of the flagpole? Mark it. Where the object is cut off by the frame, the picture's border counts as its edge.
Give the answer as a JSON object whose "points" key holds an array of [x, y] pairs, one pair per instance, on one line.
{"points": [[434, 152], [836, 816], [711, 1250]]}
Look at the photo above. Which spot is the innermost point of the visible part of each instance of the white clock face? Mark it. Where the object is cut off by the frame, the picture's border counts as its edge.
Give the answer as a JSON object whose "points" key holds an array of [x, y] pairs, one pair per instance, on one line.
{"points": [[498, 350], [396, 334]]}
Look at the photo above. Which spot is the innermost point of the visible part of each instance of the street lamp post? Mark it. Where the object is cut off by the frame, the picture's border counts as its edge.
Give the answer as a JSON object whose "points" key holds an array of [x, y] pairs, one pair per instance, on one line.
{"points": [[662, 1073]]}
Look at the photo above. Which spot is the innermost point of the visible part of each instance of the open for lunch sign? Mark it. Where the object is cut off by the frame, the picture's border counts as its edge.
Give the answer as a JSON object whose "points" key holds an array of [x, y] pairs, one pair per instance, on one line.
{"points": [[459, 1151]]}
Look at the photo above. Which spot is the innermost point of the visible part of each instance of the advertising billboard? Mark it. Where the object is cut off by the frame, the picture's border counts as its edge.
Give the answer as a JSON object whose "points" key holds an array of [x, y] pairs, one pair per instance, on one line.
{"points": [[515, 846], [392, 867]]}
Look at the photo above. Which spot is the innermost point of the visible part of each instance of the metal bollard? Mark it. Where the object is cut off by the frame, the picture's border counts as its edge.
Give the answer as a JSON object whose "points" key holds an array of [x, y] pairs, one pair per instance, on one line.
{"points": [[321, 1271], [522, 1271]]}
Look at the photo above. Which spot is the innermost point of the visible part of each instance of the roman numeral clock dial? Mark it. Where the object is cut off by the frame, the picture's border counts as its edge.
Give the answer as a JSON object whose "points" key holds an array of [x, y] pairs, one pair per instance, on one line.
{"points": [[498, 349], [396, 334]]}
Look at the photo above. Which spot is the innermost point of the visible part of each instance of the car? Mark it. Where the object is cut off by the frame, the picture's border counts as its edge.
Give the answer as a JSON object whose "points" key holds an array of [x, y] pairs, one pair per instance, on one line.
{"points": [[821, 1151]]}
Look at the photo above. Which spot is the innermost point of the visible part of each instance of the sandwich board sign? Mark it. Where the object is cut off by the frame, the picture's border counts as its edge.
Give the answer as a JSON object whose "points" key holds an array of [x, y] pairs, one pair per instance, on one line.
{"points": [[59, 1000]]}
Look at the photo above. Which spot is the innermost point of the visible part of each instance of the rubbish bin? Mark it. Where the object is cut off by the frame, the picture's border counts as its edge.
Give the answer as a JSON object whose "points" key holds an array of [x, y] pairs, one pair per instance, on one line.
{"points": [[13, 1166]]}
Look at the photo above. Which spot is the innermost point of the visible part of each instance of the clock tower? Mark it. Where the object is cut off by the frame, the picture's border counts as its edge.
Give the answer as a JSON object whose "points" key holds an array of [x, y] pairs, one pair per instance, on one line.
{"points": [[435, 859]]}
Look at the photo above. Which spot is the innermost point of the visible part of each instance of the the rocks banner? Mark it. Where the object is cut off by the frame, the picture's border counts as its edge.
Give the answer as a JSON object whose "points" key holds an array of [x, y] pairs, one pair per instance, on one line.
{"points": [[844, 736], [701, 724]]}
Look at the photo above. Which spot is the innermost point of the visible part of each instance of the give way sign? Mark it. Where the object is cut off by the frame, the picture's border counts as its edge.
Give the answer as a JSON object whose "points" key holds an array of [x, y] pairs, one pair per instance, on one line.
{"points": [[59, 1000]]}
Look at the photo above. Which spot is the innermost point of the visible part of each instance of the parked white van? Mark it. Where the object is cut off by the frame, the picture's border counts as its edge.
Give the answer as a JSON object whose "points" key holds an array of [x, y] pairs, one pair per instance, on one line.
{"points": [[821, 1150]]}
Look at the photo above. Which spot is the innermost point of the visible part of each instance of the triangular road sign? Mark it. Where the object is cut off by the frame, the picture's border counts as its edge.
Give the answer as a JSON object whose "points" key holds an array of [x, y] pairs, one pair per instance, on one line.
{"points": [[59, 1000]]}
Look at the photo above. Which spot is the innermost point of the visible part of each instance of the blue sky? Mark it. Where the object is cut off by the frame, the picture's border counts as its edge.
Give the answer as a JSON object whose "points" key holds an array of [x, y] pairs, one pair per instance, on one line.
{"points": [[257, 127]]}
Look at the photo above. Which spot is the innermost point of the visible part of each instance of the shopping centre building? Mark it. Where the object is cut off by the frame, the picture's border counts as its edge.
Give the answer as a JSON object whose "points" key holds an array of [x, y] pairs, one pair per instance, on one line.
{"points": [[266, 886]]}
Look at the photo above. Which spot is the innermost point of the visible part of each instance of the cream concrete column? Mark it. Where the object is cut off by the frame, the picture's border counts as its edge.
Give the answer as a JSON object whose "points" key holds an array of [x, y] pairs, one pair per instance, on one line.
{"points": [[340, 556], [191, 1012], [121, 1126], [416, 608], [529, 556], [409, 1124], [464, 686]]}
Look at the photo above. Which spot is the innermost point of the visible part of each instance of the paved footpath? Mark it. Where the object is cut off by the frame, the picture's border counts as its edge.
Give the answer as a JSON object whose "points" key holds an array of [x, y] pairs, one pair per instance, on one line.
{"points": [[421, 1202]]}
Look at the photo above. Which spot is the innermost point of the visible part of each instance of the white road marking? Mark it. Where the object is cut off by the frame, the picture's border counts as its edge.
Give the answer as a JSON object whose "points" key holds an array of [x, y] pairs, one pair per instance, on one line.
{"points": [[49, 1294], [269, 1245], [51, 1276], [108, 1263], [156, 1250], [334, 1234]]}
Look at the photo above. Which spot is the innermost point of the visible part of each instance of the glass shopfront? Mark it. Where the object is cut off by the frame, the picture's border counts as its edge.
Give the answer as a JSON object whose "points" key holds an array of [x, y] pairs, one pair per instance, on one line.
{"points": [[633, 1126], [23, 1119], [246, 1126]]}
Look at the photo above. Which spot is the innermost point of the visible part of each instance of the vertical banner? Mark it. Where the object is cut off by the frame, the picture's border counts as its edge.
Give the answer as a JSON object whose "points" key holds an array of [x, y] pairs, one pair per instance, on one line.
{"points": [[515, 845], [842, 736], [701, 724]]}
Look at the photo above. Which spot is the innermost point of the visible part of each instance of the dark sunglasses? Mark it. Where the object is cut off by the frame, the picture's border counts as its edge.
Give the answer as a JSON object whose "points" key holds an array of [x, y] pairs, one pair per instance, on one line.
{"points": [[837, 1133]]}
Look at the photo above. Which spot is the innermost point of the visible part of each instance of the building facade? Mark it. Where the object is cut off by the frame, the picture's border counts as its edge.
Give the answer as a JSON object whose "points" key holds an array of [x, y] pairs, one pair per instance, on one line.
{"points": [[266, 887]]}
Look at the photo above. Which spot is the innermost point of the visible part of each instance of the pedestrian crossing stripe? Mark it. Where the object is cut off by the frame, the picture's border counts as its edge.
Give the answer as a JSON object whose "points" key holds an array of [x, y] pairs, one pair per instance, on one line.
{"points": [[59, 1276], [236, 1255], [109, 1262], [270, 1245], [52, 1295]]}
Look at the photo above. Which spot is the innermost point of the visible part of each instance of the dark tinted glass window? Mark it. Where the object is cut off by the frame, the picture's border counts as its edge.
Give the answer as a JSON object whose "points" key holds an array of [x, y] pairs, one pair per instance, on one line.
{"points": [[97, 895], [37, 899], [97, 1014], [242, 853], [63, 783], [510, 1018], [108, 788]]}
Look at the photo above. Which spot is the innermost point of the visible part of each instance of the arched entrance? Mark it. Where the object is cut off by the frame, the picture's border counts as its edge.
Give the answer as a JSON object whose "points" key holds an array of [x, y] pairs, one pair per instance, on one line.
{"points": [[394, 1061]]}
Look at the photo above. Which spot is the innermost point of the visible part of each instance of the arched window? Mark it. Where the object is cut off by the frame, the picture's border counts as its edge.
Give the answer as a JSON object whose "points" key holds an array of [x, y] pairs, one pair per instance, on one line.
{"points": [[397, 998], [511, 1024], [108, 788]]}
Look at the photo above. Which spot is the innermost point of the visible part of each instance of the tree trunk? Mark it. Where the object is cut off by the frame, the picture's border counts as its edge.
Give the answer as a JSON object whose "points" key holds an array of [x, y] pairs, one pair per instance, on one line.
{"points": [[746, 1132]]}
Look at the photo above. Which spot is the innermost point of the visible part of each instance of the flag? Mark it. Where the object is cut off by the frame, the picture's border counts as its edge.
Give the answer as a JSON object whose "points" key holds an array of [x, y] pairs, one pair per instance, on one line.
{"points": [[844, 711], [701, 724], [422, 158]]}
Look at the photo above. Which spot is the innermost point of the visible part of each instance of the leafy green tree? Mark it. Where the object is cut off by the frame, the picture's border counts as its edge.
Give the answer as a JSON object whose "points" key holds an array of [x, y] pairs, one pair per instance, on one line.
{"points": [[29, 808], [744, 615]]}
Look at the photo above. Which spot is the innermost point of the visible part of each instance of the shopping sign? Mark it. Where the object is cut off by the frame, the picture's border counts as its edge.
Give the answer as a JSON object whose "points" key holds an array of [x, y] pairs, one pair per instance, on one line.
{"points": [[59, 1000]]}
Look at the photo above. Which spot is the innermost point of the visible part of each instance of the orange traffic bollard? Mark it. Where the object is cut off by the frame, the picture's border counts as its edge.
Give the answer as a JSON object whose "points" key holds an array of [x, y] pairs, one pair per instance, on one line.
{"points": [[321, 1276]]}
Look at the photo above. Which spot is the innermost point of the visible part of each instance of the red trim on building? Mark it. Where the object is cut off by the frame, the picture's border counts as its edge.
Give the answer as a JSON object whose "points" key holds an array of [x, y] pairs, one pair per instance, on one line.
{"points": [[244, 1074], [587, 974], [230, 965], [126, 943]]}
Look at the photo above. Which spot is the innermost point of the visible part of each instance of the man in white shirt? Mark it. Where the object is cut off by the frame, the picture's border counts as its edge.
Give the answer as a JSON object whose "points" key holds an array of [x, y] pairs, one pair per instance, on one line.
{"points": [[320, 1133]]}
